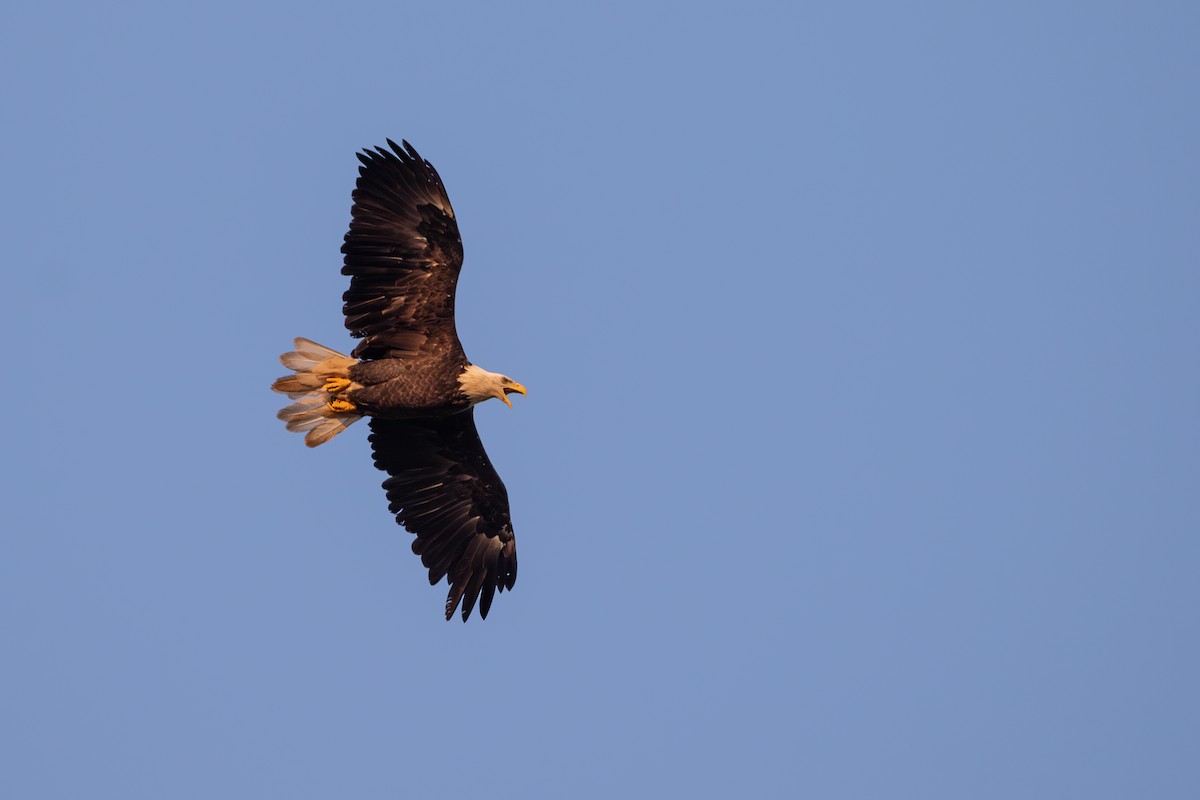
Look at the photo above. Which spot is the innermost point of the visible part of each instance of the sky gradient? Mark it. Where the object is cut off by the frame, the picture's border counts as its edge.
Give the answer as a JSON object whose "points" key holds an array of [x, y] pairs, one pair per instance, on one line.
{"points": [[860, 457]]}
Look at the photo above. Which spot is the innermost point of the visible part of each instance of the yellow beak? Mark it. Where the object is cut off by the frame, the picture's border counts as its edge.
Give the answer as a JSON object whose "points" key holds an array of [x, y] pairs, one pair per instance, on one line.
{"points": [[507, 390]]}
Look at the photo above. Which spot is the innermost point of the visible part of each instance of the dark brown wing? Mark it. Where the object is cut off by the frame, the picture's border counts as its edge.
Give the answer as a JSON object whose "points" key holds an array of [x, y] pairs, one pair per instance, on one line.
{"points": [[443, 489], [403, 255]]}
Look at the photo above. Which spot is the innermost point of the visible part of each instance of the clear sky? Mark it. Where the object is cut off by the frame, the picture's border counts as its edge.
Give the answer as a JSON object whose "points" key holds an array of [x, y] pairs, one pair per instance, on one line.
{"points": [[861, 455]]}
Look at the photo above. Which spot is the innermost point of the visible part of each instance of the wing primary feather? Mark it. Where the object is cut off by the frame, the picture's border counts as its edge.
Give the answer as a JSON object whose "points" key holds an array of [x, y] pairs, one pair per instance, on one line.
{"points": [[490, 582], [473, 573]]}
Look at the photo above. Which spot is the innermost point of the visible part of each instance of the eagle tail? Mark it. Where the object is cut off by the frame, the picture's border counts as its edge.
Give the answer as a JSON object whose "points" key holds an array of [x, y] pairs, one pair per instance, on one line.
{"points": [[315, 413]]}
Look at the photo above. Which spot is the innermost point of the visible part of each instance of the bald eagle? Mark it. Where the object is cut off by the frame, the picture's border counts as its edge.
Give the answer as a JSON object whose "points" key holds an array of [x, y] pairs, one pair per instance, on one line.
{"points": [[409, 374]]}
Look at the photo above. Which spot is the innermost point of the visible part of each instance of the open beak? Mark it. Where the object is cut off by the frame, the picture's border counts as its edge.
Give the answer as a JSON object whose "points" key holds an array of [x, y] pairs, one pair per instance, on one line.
{"points": [[512, 387]]}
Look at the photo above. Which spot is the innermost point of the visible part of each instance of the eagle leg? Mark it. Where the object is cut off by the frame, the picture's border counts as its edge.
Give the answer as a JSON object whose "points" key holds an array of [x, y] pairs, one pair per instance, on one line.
{"points": [[335, 385], [341, 406]]}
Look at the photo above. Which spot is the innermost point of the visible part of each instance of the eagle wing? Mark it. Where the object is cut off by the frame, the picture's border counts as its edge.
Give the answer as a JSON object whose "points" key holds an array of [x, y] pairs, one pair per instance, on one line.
{"points": [[403, 254], [443, 489]]}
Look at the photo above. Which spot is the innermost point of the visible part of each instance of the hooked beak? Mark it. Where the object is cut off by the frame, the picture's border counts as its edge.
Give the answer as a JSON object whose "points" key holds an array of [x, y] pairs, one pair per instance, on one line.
{"points": [[512, 387]]}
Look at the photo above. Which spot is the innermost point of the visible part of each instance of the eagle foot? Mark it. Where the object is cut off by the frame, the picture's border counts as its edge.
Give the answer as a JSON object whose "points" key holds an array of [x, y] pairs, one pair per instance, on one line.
{"points": [[341, 406], [335, 385]]}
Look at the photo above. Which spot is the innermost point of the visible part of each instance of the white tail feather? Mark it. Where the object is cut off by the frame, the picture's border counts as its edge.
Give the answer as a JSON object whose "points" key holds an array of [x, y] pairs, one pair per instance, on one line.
{"points": [[311, 414]]}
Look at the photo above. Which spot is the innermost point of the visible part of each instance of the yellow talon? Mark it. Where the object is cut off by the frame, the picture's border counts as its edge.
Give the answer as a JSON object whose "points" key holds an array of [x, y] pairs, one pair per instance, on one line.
{"points": [[341, 406], [335, 385]]}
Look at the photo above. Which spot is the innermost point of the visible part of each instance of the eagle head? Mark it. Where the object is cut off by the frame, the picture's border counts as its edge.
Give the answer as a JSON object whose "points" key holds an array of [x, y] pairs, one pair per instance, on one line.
{"points": [[478, 385]]}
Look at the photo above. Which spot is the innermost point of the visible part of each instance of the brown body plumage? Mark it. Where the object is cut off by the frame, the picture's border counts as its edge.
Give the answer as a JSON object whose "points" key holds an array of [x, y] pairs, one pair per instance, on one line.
{"points": [[409, 374]]}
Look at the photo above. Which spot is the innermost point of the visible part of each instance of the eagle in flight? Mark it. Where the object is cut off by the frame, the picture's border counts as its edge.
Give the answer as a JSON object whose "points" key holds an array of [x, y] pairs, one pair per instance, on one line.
{"points": [[409, 374]]}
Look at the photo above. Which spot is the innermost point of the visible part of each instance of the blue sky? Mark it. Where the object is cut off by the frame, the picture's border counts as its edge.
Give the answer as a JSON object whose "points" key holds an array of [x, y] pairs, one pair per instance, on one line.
{"points": [[861, 452]]}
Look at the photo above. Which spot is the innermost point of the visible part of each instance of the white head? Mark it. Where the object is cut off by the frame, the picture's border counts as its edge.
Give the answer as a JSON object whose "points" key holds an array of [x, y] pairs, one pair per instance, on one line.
{"points": [[478, 385]]}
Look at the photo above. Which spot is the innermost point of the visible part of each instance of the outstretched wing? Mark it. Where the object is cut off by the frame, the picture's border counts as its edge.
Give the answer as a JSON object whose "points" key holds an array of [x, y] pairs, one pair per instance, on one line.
{"points": [[403, 255], [443, 488]]}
